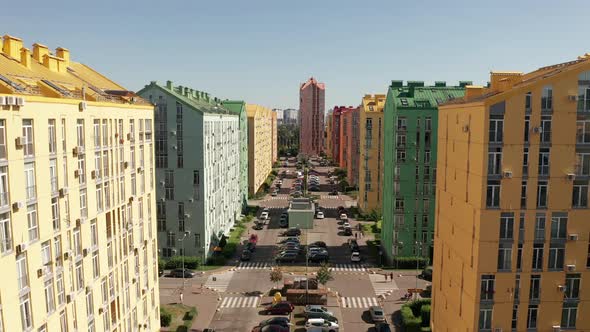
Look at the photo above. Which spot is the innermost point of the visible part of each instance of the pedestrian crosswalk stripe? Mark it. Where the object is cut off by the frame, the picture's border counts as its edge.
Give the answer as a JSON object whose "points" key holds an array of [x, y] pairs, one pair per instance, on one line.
{"points": [[239, 302], [221, 281], [280, 197], [252, 265], [359, 302], [348, 268], [329, 196], [381, 286]]}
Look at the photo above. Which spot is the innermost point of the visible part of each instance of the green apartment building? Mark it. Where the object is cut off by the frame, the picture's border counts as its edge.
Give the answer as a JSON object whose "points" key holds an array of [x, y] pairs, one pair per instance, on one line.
{"points": [[411, 117], [239, 107]]}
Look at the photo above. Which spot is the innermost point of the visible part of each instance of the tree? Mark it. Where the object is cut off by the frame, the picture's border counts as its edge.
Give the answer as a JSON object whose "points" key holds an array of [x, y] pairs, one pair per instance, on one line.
{"points": [[344, 185], [324, 274], [276, 275]]}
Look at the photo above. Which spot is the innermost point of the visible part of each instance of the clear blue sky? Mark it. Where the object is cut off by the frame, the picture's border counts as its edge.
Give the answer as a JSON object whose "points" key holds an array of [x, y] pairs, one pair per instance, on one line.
{"points": [[260, 51]]}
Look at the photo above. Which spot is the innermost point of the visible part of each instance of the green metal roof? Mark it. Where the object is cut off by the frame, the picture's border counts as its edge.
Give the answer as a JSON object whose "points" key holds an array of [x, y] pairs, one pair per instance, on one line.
{"points": [[198, 100], [415, 95], [234, 106]]}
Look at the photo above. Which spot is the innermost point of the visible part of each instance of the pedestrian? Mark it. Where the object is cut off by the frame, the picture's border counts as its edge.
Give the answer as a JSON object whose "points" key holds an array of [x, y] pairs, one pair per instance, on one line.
{"points": [[391, 276], [181, 298], [385, 277], [356, 235]]}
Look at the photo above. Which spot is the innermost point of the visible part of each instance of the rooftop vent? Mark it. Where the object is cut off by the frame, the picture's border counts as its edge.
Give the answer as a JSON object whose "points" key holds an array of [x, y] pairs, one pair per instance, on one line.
{"points": [[397, 84], [440, 83], [465, 83]]}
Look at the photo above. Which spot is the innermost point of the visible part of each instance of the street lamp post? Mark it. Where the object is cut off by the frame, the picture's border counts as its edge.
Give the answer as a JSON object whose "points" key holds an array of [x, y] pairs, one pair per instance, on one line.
{"points": [[183, 254], [419, 252]]}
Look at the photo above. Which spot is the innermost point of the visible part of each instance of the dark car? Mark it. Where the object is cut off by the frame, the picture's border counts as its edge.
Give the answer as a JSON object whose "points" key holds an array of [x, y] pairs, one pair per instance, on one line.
{"points": [[279, 308], [320, 244], [290, 239], [271, 328], [334, 193], [258, 226], [326, 316], [282, 321], [251, 246], [246, 255], [314, 189], [292, 232], [178, 273], [318, 257], [286, 257], [347, 231], [427, 273], [382, 327]]}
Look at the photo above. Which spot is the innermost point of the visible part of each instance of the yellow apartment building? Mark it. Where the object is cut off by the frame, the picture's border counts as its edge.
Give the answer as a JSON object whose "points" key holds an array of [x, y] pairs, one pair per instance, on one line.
{"points": [[328, 147], [75, 148], [260, 145], [275, 141], [371, 153], [512, 232]]}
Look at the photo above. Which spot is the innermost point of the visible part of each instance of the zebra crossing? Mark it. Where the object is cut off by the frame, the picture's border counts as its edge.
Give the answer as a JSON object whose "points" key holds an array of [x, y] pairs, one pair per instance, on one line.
{"points": [[380, 286], [219, 282], [329, 196], [239, 302], [348, 268], [358, 302], [280, 197], [253, 265]]}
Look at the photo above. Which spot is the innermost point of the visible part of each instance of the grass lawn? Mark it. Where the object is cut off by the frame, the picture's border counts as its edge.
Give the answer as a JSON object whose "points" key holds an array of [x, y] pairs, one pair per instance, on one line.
{"points": [[373, 228], [182, 316]]}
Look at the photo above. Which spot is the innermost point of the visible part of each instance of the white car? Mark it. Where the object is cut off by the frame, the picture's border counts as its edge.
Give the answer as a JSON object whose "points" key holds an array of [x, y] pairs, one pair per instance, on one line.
{"points": [[343, 216], [264, 216], [320, 325], [346, 224], [355, 257], [320, 215]]}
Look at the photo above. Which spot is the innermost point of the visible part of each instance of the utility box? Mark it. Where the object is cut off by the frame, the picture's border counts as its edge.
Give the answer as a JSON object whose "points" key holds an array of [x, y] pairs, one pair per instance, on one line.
{"points": [[301, 212]]}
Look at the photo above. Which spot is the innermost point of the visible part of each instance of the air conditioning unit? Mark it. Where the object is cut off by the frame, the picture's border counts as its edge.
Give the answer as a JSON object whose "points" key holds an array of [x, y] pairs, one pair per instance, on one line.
{"points": [[507, 174], [187, 215], [19, 142], [175, 147], [10, 100], [70, 297], [121, 141], [162, 183], [572, 237], [537, 130], [556, 328], [78, 222], [82, 106], [129, 137], [2, 100], [561, 288], [77, 173], [84, 252], [63, 192], [93, 174], [67, 255], [126, 164], [131, 199], [100, 311], [140, 169], [77, 150], [498, 329], [20, 248], [88, 289], [465, 128], [145, 242], [173, 132], [570, 267], [39, 273], [191, 199], [133, 280], [162, 199], [572, 97], [143, 291], [571, 176], [20, 101], [17, 205]]}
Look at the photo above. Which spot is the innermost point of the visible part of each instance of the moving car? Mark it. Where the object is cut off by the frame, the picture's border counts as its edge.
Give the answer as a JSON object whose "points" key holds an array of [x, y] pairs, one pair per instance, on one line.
{"points": [[355, 257], [320, 325], [246, 255], [319, 215], [279, 308], [286, 257], [311, 311], [377, 314], [178, 273]]}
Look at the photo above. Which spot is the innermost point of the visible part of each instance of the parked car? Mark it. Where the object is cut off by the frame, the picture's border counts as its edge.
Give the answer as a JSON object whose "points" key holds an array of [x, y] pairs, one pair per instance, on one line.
{"points": [[355, 257], [279, 308], [311, 311], [267, 210], [321, 244], [346, 224], [283, 223], [286, 257], [313, 188], [320, 325], [258, 226], [292, 232], [382, 327], [178, 273], [290, 239], [264, 215], [427, 273], [250, 246], [328, 317], [246, 255], [311, 250], [343, 217], [334, 193], [319, 215], [282, 321], [318, 257], [274, 193], [377, 314], [297, 194], [290, 246], [295, 252], [347, 231]]}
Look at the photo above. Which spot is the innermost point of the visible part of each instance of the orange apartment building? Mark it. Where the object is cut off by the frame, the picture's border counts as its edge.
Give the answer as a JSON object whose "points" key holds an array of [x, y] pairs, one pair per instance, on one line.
{"points": [[349, 143], [512, 220]]}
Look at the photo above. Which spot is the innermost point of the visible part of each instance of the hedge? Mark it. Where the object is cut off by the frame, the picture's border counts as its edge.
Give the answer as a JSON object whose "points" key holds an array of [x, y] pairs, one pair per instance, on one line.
{"points": [[190, 262], [165, 318], [409, 262], [410, 322], [425, 314], [416, 315]]}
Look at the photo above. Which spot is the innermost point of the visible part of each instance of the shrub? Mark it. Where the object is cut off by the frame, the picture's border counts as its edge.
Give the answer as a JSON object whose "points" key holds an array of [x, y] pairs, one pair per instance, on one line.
{"points": [[416, 315], [410, 322], [216, 260], [409, 262], [165, 318], [425, 314], [175, 262]]}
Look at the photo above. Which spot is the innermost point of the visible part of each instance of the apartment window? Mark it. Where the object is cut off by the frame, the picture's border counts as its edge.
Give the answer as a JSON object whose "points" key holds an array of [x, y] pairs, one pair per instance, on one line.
{"points": [[540, 227], [89, 304], [399, 204], [4, 201], [53, 175], [161, 216], [132, 129], [105, 133], [65, 171], [63, 321], [485, 319], [547, 98], [583, 131], [487, 287], [107, 195], [556, 256], [544, 161], [580, 194], [81, 169], [519, 257], [96, 131], [49, 296], [28, 140], [583, 164], [181, 216], [32, 222], [105, 162], [61, 291], [77, 242], [528, 101], [507, 227], [514, 316], [83, 203], [493, 194], [148, 130], [504, 257], [538, 256], [523, 187], [80, 132], [542, 191], [572, 286], [569, 314], [25, 312], [5, 233], [401, 123], [525, 162], [133, 184], [22, 271], [527, 128], [535, 290], [169, 184], [427, 157], [494, 161], [52, 136], [401, 156], [63, 134], [546, 129], [521, 227], [517, 287], [30, 183], [401, 140], [99, 198], [79, 275], [558, 227], [2, 139], [132, 157], [496, 129], [531, 322]]}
